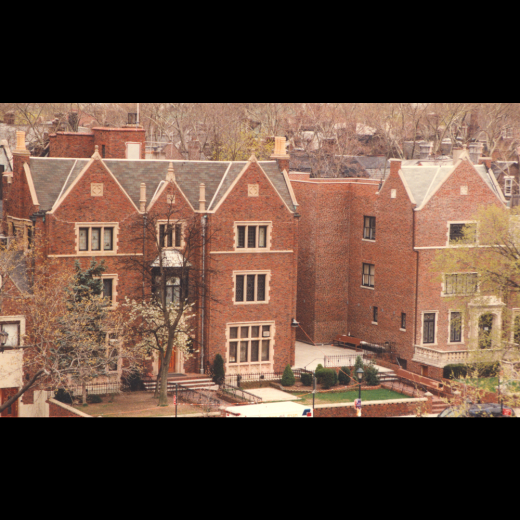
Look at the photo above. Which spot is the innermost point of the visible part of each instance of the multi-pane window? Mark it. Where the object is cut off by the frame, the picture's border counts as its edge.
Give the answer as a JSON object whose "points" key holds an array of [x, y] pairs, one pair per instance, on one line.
{"points": [[250, 344], [456, 327], [370, 228], [429, 328], [403, 321], [108, 289], [172, 289], [461, 284], [462, 233], [170, 235], [96, 239], [252, 237], [375, 317], [369, 275], [13, 331], [250, 288], [508, 186]]}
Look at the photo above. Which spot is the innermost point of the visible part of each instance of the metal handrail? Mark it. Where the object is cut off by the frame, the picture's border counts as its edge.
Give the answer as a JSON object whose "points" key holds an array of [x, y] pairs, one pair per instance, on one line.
{"points": [[241, 394]]}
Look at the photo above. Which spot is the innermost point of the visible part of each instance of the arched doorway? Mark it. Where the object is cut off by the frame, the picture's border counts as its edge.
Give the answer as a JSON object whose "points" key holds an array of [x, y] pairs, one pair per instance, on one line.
{"points": [[485, 334]]}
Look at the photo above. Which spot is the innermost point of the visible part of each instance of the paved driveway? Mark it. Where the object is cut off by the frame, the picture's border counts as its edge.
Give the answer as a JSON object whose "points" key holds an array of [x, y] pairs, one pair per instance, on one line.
{"points": [[309, 356]]}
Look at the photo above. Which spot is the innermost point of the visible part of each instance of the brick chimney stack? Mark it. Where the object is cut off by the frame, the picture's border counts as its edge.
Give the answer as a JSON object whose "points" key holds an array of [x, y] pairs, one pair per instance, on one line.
{"points": [[20, 144], [194, 150], [9, 118], [475, 152], [426, 151], [280, 154]]}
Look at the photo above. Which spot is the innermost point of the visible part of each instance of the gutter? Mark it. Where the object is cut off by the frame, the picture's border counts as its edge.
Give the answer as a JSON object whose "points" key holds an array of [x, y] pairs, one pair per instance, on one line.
{"points": [[203, 307]]}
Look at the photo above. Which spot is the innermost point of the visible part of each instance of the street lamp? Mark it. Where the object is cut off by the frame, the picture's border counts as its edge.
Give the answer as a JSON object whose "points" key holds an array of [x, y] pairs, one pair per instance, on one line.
{"points": [[360, 373], [4, 336]]}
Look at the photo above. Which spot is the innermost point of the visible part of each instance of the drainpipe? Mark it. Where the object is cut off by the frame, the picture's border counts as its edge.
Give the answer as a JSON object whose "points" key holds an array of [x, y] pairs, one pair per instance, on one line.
{"points": [[203, 306], [416, 317], [145, 219]]}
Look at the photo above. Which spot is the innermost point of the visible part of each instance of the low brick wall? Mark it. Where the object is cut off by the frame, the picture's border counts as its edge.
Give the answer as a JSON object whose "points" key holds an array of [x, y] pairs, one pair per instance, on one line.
{"points": [[60, 410], [401, 408]]}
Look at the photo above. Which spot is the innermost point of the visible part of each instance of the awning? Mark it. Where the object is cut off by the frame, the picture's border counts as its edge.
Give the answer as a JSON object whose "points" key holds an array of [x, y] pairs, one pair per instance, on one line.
{"points": [[171, 258]]}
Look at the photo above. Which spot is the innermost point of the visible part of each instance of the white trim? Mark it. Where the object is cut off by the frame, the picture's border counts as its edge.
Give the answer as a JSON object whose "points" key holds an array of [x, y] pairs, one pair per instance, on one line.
{"points": [[429, 345], [21, 321], [101, 225], [159, 192], [86, 255], [291, 191], [375, 183], [30, 182], [249, 252], [463, 328], [140, 150], [255, 364], [369, 288], [406, 187], [220, 186], [449, 245], [65, 183], [115, 282], [257, 225]]}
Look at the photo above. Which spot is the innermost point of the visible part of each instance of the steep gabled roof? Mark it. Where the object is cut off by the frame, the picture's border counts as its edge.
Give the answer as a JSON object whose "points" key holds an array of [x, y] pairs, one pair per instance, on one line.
{"points": [[53, 177], [424, 181]]}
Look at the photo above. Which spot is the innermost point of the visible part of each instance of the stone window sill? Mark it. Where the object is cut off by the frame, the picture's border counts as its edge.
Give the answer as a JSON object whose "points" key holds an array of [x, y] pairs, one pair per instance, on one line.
{"points": [[368, 288]]}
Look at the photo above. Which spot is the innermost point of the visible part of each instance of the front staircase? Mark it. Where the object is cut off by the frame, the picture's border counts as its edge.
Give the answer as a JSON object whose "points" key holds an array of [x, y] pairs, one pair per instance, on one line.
{"points": [[438, 406], [193, 382]]}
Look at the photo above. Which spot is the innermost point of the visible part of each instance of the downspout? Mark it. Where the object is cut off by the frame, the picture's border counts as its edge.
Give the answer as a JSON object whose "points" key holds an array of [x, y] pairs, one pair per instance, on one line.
{"points": [[416, 317], [203, 306], [145, 221]]}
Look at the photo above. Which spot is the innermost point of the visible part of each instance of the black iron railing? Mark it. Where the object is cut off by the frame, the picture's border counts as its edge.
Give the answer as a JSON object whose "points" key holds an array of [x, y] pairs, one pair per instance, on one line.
{"points": [[237, 379], [203, 398], [239, 394]]}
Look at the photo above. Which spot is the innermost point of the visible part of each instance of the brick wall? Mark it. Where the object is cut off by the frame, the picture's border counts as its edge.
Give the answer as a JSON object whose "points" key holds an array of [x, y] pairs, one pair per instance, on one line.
{"points": [[376, 409], [60, 410], [71, 145]]}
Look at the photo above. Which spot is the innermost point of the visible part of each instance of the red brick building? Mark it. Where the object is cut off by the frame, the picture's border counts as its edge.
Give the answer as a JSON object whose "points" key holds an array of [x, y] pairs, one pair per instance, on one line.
{"points": [[365, 256], [86, 206]]}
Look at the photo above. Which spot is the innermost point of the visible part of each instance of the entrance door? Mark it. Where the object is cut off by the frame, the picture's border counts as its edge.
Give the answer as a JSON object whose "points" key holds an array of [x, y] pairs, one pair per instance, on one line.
{"points": [[5, 395], [171, 368], [485, 331]]}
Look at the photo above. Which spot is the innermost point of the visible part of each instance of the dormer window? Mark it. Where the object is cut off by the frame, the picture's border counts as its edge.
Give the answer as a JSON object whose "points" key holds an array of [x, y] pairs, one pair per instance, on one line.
{"points": [[170, 235]]}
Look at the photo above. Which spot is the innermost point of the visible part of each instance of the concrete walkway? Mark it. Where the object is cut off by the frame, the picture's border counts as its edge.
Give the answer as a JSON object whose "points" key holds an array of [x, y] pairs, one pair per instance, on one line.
{"points": [[271, 395], [309, 356]]}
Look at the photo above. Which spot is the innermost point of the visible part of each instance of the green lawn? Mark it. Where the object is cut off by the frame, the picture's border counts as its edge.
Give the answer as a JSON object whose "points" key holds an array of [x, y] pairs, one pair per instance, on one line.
{"points": [[489, 384], [350, 397]]}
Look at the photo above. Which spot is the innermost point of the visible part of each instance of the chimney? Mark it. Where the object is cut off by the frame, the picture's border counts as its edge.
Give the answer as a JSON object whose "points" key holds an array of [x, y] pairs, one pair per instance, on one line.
{"points": [[202, 198], [20, 144], [487, 161], [280, 154], [142, 201], [395, 166], [329, 145], [74, 121], [9, 118], [194, 150], [475, 152], [132, 119], [170, 176], [456, 154], [426, 151]]}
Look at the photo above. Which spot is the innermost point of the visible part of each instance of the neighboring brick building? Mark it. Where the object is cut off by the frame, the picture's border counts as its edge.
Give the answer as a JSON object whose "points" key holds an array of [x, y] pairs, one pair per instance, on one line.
{"points": [[366, 250], [87, 207]]}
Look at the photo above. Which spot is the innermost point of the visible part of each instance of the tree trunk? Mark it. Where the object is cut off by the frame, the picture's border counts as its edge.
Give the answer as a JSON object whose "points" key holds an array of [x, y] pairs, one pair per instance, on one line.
{"points": [[163, 395], [84, 393]]}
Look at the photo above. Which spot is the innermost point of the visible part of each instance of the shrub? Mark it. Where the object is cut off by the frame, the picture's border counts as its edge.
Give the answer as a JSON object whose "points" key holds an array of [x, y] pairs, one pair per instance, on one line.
{"points": [[94, 399], [371, 377], [219, 371], [484, 370], [307, 380], [288, 378], [133, 380], [359, 364], [344, 376], [329, 378], [63, 396]]}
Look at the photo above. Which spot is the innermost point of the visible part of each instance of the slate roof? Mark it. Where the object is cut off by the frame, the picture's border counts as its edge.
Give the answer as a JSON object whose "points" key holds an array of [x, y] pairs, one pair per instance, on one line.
{"points": [[424, 180], [52, 177]]}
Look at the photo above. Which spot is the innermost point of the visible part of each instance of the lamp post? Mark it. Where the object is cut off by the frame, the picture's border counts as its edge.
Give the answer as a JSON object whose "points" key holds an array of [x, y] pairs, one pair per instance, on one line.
{"points": [[4, 336], [360, 373]]}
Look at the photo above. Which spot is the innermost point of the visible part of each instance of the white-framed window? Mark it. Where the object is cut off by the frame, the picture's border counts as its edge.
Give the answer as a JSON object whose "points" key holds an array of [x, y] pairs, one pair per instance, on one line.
{"points": [[96, 239], [369, 232], [456, 328], [429, 328], [253, 236], [110, 288], [508, 186], [462, 233], [460, 284], [252, 287], [13, 331], [171, 234], [369, 276], [250, 344]]}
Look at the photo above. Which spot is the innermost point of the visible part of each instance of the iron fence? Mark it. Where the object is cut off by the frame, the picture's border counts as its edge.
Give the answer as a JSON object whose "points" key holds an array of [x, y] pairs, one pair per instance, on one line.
{"points": [[239, 394], [101, 389], [342, 361], [237, 379]]}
